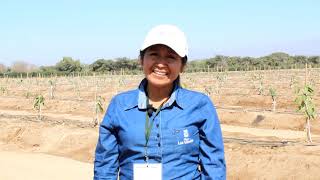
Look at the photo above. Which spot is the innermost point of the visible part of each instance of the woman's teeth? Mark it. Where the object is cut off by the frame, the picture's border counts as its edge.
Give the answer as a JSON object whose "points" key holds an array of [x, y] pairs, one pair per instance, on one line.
{"points": [[160, 73]]}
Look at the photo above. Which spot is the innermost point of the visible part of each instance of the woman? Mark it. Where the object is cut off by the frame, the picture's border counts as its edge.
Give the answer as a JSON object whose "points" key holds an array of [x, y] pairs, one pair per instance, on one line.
{"points": [[161, 130]]}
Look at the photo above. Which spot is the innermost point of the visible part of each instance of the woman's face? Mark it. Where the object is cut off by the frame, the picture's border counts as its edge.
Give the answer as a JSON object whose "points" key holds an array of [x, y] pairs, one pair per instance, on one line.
{"points": [[161, 65]]}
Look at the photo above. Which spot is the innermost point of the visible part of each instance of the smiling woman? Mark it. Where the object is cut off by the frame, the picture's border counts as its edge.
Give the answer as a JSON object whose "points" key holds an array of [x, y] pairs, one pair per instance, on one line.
{"points": [[161, 66], [161, 130]]}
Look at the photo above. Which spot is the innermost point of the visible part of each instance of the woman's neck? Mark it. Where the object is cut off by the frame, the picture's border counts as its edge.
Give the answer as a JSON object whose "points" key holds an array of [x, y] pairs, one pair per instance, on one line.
{"points": [[157, 95]]}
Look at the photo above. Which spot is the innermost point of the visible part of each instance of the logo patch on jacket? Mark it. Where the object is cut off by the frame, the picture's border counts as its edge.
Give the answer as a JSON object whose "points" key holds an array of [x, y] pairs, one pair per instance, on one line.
{"points": [[185, 139]]}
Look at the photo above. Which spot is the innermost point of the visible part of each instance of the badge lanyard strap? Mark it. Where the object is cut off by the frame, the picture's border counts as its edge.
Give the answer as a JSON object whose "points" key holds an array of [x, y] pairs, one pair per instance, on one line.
{"points": [[148, 127]]}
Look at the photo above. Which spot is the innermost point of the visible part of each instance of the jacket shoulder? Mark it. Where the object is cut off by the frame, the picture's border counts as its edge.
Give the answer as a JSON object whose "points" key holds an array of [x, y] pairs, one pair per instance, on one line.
{"points": [[127, 98], [192, 97]]}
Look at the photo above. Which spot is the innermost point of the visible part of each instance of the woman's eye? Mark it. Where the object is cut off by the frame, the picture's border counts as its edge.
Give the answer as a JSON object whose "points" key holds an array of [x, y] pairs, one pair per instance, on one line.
{"points": [[171, 58]]}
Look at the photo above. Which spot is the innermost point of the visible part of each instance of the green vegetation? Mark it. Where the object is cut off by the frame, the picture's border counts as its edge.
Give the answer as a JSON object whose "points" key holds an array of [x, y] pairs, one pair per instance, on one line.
{"points": [[99, 104], [38, 104], [257, 81], [3, 90], [273, 94], [70, 66], [306, 105]]}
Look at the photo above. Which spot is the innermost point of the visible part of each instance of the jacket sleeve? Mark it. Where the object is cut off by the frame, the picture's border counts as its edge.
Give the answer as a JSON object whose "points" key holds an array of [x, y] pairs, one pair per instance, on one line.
{"points": [[212, 159], [106, 163]]}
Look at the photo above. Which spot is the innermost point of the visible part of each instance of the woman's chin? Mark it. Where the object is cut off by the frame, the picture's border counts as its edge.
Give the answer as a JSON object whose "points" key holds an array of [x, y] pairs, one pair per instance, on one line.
{"points": [[159, 83]]}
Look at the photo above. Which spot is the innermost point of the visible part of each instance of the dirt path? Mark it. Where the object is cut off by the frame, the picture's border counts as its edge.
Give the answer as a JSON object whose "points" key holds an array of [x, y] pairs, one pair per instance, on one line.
{"points": [[282, 134], [52, 115], [37, 166]]}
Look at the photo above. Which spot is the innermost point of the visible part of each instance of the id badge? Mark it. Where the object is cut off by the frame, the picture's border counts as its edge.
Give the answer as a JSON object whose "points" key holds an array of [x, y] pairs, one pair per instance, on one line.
{"points": [[147, 171]]}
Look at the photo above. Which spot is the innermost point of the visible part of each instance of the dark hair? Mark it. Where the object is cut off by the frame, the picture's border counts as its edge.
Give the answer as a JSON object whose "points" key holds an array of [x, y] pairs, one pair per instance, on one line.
{"points": [[141, 55]]}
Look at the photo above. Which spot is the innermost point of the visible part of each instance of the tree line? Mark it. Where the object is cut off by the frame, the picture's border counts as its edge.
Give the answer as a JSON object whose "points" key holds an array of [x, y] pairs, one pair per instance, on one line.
{"points": [[68, 65]]}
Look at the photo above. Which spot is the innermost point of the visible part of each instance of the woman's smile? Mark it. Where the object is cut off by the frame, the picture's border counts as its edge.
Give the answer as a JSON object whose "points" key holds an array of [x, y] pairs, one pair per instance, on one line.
{"points": [[160, 72]]}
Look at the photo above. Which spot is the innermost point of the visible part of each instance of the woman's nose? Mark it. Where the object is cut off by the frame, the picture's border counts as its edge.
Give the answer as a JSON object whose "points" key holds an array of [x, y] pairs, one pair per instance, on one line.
{"points": [[162, 60]]}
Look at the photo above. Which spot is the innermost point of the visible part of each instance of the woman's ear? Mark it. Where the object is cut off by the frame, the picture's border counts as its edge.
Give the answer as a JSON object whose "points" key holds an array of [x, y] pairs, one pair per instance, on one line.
{"points": [[140, 61], [183, 67], [140, 58]]}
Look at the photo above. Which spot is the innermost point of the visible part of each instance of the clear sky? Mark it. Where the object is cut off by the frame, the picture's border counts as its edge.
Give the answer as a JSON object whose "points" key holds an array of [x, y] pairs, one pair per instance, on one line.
{"points": [[42, 32]]}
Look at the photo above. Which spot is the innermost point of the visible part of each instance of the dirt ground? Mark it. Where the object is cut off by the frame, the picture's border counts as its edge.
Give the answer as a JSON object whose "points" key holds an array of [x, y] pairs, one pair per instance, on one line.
{"points": [[259, 143], [17, 165], [251, 152]]}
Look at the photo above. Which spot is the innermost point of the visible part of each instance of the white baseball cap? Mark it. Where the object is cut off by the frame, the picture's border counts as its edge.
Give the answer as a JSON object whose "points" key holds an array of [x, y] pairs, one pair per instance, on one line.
{"points": [[168, 35]]}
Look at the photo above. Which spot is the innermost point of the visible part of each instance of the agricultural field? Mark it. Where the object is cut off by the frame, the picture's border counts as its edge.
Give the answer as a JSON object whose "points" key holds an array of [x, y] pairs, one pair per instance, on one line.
{"points": [[263, 132]]}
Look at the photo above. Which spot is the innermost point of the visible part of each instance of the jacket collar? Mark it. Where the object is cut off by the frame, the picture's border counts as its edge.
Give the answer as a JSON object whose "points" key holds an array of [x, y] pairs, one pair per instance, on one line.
{"points": [[142, 97]]}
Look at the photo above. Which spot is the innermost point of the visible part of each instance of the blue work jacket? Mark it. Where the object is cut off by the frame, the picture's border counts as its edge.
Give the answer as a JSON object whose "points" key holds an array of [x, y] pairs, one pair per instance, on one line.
{"points": [[186, 134]]}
